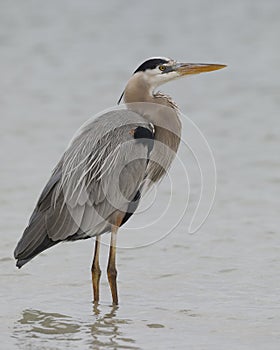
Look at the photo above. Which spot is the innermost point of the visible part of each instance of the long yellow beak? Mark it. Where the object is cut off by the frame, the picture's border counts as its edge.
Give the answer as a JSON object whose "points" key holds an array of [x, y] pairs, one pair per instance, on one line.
{"points": [[196, 68]]}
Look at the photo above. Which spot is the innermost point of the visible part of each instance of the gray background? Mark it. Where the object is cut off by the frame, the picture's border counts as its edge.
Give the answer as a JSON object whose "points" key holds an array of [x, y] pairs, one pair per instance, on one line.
{"points": [[62, 62]]}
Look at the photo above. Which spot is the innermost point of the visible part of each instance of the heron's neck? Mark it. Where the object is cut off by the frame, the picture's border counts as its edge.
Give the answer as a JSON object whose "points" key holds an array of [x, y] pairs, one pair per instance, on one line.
{"points": [[138, 90], [162, 112], [157, 108]]}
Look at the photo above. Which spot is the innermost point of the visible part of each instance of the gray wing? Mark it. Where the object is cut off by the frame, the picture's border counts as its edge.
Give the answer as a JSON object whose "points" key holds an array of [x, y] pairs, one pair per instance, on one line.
{"points": [[99, 174]]}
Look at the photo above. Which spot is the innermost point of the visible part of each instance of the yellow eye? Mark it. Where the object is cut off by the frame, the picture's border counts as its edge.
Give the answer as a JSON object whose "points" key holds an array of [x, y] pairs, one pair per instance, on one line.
{"points": [[162, 68]]}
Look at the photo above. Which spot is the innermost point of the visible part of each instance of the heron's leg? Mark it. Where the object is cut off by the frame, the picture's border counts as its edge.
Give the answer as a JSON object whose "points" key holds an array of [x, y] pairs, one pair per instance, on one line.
{"points": [[111, 269], [95, 271]]}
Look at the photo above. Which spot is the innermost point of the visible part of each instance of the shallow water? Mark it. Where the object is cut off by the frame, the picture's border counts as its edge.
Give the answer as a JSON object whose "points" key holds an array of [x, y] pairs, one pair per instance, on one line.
{"points": [[62, 62]]}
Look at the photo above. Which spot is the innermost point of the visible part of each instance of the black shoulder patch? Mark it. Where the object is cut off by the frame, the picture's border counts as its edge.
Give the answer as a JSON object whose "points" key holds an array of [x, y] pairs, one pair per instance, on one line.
{"points": [[152, 63], [143, 133], [146, 136]]}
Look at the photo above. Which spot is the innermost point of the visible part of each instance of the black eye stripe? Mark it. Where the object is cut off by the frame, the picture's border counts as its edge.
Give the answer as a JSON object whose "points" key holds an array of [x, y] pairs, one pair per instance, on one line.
{"points": [[167, 69]]}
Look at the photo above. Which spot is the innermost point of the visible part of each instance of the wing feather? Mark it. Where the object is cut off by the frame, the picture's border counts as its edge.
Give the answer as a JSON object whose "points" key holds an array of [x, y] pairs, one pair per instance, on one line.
{"points": [[99, 173]]}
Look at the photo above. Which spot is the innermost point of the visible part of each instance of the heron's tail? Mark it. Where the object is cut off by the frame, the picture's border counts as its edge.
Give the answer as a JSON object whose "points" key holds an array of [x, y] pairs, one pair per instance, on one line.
{"points": [[33, 241], [22, 258]]}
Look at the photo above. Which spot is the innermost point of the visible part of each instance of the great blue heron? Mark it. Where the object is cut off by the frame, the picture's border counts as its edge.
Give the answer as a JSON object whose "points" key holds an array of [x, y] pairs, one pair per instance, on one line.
{"points": [[97, 184]]}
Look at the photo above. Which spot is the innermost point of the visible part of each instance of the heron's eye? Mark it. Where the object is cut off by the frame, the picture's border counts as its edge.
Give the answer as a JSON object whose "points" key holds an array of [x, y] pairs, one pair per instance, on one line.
{"points": [[162, 68]]}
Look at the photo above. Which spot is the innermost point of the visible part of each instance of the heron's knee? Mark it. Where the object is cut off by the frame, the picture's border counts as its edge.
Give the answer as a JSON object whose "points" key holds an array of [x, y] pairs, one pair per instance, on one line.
{"points": [[95, 270], [112, 273]]}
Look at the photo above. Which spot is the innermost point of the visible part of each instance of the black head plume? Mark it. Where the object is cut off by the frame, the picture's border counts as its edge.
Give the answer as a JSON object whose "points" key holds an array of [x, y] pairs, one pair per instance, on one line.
{"points": [[151, 63]]}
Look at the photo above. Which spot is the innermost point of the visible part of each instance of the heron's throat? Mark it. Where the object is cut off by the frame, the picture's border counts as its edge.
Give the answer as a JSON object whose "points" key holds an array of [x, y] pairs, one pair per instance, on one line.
{"points": [[139, 90]]}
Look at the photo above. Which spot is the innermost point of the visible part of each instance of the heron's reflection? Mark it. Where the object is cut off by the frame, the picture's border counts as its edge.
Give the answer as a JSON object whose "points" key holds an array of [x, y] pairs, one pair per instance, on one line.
{"points": [[106, 330], [35, 327], [36, 321]]}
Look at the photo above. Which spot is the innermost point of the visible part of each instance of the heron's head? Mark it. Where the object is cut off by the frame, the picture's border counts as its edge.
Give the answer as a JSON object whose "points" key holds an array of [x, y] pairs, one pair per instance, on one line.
{"points": [[156, 71], [159, 70]]}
